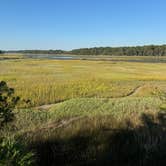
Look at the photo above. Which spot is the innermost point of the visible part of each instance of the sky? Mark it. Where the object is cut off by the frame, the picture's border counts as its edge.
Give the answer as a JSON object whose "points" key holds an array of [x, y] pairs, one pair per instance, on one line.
{"points": [[70, 24]]}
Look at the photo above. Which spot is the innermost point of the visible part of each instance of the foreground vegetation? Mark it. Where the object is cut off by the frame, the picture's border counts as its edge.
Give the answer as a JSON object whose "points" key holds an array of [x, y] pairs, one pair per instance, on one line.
{"points": [[94, 132], [102, 112], [11, 151]]}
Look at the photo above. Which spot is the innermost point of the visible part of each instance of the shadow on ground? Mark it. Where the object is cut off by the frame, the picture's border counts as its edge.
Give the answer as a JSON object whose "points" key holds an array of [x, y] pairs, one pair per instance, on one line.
{"points": [[144, 145]]}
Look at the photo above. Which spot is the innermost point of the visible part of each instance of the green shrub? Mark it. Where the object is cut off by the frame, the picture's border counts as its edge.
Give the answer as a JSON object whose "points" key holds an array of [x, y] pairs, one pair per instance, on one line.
{"points": [[13, 153], [7, 103]]}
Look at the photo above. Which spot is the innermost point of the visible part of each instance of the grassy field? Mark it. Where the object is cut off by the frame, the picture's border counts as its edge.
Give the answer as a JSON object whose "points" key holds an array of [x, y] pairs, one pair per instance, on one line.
{"points": [[11, 56], [51, 81], [97, 108]]}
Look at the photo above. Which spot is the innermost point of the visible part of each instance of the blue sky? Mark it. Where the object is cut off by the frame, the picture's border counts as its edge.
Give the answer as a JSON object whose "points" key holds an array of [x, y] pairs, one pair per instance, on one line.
{"points": [[69, 24]]}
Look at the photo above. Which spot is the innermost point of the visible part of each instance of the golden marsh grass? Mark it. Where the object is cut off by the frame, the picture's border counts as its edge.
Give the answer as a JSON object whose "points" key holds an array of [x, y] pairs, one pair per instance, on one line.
{"points": [[50, 81]]}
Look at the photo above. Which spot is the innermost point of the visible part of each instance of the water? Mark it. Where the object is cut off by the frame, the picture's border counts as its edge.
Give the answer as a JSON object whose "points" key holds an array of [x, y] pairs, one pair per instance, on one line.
{"points": [[50, 56], [95, 58]]}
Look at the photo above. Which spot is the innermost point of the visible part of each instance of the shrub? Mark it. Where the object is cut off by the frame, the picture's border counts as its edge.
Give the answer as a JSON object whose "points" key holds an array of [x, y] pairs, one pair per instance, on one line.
{"points": [[13, 153], [7, 103]]}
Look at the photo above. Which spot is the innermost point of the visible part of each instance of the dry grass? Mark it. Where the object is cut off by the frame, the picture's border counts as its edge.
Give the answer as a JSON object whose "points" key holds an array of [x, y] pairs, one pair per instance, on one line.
{"points": [[51, 81]]}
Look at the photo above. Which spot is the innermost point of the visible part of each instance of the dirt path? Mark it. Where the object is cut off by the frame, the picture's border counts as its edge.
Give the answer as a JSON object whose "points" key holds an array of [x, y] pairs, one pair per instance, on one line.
{"points": [[66, 122], [45, 107], [55, 125], [62, 123], [135, 91]]}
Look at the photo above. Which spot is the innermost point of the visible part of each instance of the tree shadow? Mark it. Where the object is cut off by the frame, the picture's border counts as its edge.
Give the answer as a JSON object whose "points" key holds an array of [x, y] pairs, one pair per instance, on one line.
{"points": [[143, 145]]}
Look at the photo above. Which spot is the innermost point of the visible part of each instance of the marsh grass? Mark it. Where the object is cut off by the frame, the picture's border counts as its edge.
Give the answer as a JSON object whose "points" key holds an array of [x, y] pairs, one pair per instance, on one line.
{"points": [[32, 119], [11, 56], [52, 81], [102, 140], [113, 126]]}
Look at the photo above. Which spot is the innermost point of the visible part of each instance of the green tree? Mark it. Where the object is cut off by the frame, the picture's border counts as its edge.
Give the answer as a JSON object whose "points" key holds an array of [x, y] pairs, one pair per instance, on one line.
{"points": [[7, 103], [12, 152]]}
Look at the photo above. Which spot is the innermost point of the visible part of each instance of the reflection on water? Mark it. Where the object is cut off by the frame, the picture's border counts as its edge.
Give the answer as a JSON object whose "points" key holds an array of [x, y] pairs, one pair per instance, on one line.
{"points": [[97, 58], [46, 56]]}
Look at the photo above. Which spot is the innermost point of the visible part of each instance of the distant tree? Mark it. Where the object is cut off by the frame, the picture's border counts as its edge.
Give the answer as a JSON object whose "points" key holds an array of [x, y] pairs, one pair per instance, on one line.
{"points": [[151, 50], [7, 103], [1, 52]]}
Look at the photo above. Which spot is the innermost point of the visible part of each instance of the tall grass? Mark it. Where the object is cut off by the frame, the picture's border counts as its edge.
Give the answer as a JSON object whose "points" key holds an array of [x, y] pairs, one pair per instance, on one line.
{"points": [[96, 122], [120, 109], [103, 141], [51, 81], [12, 152]]}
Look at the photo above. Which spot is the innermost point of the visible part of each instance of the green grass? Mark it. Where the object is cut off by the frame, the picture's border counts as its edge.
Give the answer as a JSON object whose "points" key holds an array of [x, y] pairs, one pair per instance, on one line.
{"points": [[106, 126], [120, 109]]}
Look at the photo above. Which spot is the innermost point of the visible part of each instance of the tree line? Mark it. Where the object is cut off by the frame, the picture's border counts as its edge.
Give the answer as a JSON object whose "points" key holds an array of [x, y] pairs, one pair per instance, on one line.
{"points": [[149, 50], [39, 51], [1, 52]]}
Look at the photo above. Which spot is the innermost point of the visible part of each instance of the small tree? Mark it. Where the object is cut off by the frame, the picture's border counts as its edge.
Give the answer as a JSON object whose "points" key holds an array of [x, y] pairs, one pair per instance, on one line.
{"points": [[7, 103], [12, 152]]}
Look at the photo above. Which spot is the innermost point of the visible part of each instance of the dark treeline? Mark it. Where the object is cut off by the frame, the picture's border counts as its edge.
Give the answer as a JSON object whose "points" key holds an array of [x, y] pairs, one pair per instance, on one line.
{"points": [[150, 50], [1, 52], [39, 51]]}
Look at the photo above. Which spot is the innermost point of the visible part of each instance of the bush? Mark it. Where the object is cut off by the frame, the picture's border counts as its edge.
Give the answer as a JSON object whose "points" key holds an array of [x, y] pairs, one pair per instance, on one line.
{"points": [[7, 103], [13, 153]]}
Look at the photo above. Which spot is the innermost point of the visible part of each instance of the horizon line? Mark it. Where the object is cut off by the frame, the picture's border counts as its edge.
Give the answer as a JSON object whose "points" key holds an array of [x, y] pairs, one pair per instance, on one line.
{"points": [[84, 47]]}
